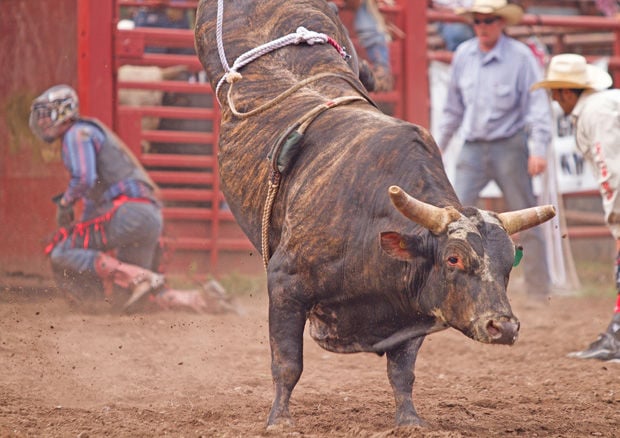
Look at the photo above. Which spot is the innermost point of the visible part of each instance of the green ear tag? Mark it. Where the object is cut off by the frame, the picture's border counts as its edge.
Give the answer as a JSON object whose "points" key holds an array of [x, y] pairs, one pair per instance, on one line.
{"points": [[518, 256]]}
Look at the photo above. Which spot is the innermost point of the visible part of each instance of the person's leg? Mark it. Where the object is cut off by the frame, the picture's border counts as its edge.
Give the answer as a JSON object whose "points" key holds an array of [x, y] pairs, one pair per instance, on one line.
{"points": [[510, 172], [607, 345], [378, 55], [74, 272], [79, 260], [614, 325], [471, 173], [375, 42], [134, 232], [367, 28]]}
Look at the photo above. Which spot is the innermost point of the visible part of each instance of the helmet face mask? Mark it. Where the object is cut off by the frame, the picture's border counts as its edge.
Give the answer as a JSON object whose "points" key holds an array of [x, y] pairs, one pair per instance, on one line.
{"points": [[51, 111]]}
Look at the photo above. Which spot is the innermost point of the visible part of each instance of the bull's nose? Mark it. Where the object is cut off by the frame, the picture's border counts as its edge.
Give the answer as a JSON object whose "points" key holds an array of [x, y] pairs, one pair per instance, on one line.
{"points": [[503, 332]]}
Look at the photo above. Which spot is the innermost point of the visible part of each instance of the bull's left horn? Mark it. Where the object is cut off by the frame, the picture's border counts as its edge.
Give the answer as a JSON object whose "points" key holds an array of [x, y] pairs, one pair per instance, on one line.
{"points": [[515, 221], [434, 219]]}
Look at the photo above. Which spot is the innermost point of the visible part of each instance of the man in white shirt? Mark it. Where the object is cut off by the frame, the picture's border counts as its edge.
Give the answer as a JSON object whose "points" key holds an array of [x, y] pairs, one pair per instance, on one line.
{"points": [[581, 91]]}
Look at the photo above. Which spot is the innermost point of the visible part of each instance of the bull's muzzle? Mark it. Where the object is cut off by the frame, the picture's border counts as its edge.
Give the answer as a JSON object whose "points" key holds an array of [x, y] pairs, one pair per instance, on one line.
{"points": [[502, 331]]}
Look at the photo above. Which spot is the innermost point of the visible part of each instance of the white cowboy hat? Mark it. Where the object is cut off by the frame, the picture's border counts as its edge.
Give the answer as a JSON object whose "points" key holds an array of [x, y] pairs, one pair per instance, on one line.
{"points": [[572, 71], [511, 13]]}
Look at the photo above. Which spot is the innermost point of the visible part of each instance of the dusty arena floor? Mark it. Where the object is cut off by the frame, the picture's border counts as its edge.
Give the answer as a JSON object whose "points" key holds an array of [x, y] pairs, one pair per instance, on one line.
{"points": [[76, 374]]}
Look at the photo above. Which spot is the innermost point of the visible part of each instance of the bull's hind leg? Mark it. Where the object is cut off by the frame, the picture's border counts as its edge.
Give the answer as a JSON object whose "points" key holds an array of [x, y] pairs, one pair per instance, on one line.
{"points": [[287, 319], [400, 369]]}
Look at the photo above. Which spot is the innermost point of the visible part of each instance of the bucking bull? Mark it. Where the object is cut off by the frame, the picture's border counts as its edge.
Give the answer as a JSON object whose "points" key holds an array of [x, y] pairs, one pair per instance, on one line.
{"points": [[359, 227]]}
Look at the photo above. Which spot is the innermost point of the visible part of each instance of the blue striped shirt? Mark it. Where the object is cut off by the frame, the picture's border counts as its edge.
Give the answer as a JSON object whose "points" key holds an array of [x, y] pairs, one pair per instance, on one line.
{"points": [[80, 146], [489, 95]]}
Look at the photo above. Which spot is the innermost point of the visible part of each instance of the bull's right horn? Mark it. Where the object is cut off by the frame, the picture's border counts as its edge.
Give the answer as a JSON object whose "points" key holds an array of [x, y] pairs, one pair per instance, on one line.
{"points": [[519, 220], [434, 219]]}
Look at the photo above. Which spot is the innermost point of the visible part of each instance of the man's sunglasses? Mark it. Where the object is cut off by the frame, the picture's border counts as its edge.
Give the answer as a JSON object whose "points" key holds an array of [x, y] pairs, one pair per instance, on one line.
{"points": [[487, 20]]}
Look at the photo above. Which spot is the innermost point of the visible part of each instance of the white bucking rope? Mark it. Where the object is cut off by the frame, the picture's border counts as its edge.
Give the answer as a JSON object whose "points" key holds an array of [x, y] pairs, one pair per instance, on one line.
{"points": [[301, 35]]}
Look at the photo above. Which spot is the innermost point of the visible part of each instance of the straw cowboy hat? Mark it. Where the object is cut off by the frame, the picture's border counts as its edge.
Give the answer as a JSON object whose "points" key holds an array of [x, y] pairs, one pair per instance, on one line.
{"points": [[511, 13], [572, 71]]}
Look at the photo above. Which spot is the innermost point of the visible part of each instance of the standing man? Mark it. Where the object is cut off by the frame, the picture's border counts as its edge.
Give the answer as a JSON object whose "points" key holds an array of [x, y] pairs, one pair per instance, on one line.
{"points": [[121, 213], [488, 98], [580, 90]]}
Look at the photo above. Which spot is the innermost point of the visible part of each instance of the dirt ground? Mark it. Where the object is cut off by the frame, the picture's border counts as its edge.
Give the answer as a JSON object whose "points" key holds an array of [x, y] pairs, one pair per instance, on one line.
{"points": [[76, 374]]}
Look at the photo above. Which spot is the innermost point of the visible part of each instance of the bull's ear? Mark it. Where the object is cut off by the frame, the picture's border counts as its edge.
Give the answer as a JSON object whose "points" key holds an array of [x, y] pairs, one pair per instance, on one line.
{"points": [[395, 245]]}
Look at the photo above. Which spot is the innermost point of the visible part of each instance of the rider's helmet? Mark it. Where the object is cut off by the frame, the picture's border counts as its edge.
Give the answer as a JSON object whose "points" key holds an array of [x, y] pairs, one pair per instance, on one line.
{"points": [[50, 112]]}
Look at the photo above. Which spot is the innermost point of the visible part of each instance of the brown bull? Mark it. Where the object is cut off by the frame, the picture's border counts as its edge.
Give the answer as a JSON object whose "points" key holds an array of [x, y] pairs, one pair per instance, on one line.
{"points": [[373, 267]]}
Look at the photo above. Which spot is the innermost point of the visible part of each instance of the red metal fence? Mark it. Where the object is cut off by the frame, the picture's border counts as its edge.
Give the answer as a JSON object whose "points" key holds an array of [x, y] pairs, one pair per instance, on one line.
{"points": [[76, 42], [199, 229]]}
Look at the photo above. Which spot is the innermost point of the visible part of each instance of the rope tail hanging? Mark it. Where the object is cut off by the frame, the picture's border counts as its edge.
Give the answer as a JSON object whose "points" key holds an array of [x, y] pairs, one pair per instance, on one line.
{"points": [[274, 184]]}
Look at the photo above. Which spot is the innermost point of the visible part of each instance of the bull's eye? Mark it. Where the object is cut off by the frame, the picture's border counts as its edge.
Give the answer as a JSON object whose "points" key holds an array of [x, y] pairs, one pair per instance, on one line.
{"points": [[455, 261]]}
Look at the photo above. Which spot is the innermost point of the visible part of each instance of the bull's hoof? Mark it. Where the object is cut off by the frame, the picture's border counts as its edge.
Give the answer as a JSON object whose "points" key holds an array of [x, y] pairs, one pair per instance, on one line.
{"points": [[280, 425], [410, 421]]}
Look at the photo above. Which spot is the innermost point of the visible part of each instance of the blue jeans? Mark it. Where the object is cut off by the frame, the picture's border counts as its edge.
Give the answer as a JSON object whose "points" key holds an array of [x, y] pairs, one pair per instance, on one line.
{"points": [[133, 232], [454, 34], [505, 162], [371, 37]]}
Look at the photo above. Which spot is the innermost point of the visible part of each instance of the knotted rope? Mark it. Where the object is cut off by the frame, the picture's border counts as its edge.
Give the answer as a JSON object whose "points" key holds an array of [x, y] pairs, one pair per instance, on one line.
{"points": [[302, 35]]}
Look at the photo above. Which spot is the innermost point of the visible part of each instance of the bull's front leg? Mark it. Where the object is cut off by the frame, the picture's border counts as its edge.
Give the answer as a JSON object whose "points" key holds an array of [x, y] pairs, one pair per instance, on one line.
{"points": [[400, 369], [287, 319]]}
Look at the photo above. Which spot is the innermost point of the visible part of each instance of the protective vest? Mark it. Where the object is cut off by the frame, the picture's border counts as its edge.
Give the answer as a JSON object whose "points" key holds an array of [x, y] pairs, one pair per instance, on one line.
{"points": [[115, 164]]}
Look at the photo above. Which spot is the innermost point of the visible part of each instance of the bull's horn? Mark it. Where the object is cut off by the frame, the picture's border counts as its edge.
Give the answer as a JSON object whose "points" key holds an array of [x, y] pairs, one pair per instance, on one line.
{"points": [[434, 219], [515, 221]]}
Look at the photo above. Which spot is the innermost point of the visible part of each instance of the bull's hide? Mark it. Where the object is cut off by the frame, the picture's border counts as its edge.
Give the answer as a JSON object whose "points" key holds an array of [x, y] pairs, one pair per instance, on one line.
{"points": [[368, 276], [346, 147]]}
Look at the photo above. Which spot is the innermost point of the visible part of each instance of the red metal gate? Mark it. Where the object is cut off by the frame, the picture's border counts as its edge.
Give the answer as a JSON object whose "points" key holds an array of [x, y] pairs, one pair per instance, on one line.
{"points": [[204, 237], [180, 150], [180, 153]]}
